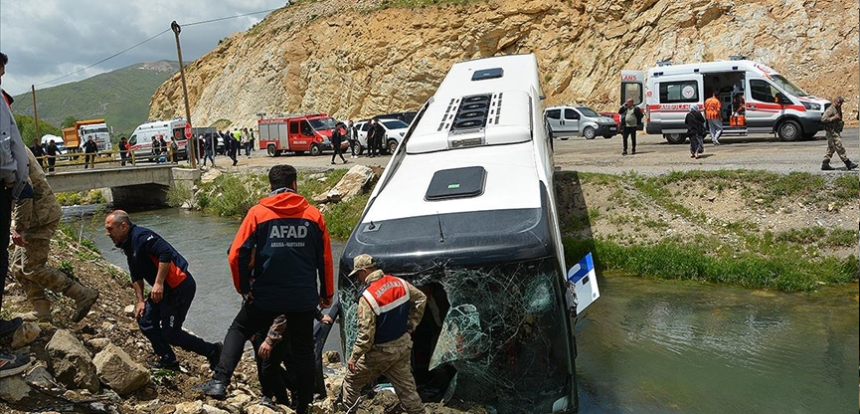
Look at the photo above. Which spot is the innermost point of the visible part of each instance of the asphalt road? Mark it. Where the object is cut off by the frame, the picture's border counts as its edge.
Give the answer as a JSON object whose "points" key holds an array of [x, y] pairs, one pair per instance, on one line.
{"points": [[656, 156]]}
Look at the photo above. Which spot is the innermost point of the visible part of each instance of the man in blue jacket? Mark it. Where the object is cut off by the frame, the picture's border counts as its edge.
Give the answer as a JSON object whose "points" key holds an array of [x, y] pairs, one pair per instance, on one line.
{"points": [[160, 316]]}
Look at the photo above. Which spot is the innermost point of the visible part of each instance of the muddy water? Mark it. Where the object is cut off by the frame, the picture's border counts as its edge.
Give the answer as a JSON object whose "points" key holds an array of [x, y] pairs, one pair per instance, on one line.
{"points": [[645, 347]]}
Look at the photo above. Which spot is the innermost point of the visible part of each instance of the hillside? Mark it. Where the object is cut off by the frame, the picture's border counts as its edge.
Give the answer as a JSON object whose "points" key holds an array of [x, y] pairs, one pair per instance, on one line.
{"points": [[377, 56], [121, 96]]}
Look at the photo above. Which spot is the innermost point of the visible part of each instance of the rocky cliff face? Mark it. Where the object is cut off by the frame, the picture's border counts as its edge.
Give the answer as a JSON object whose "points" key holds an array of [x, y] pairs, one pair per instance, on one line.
{"points": [[355, 59]]}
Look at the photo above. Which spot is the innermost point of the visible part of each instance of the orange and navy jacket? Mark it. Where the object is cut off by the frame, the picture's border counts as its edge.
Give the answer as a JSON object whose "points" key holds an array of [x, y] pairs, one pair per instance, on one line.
{"points": [[389, 299], [144, 249], [281, 253], [712, 108]]}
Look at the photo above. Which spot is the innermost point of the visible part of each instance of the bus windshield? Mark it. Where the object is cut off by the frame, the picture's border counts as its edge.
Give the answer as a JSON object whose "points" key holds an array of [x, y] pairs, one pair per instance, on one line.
{"points": [[787, 86]]}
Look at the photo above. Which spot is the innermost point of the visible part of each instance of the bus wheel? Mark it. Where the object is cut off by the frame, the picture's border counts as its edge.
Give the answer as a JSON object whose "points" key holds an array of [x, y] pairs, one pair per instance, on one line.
{"points": [[315, 150], [589, 133], [789, 131], [270, 149], [675, 138]]}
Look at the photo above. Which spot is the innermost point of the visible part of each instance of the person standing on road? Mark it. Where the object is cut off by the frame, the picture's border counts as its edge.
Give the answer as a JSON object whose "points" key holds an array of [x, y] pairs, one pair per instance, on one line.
{"points": [[51, 152], [631, 119], [281, 262], [39, 153], [695, 130], [713, 108], [14, 174], [209, 149], [90, 150], [379, 137], [123, 151], [35, 219], [370, 138], [352, 136], [161, 315], [337, 136], [389, 310], [833, 124]]}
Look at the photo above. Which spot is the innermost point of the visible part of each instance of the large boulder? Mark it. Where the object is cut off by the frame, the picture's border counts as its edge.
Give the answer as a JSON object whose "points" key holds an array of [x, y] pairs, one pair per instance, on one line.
{"points": [[356, 181], [119, 372], [71, 363]]}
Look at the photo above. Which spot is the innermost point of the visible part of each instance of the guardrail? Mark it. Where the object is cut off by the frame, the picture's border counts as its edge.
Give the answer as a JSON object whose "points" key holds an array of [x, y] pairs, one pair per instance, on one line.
{"points": [[77, 159]]}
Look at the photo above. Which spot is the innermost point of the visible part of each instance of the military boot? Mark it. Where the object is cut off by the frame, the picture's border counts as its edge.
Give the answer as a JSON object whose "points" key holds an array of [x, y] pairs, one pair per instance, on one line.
{"points": [[84, 299], [41, 311], [825, 166], [850, 165]]}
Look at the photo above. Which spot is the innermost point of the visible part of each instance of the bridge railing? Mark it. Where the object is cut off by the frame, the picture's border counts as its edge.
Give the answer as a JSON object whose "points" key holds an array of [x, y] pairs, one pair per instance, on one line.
{"points": [[77, 159]]}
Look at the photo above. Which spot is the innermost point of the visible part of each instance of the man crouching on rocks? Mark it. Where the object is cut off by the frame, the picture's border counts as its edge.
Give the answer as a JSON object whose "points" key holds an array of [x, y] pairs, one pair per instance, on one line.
{"points": [[161, 315], [35, 219]]}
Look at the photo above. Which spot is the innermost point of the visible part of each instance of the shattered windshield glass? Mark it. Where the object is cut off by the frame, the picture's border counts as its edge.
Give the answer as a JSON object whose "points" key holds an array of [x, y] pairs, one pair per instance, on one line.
{"points": [[495, 336]]}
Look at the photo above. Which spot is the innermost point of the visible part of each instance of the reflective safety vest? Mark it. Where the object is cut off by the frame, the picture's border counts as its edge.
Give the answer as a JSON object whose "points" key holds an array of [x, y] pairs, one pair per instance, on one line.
{"points": [[389, 299]]}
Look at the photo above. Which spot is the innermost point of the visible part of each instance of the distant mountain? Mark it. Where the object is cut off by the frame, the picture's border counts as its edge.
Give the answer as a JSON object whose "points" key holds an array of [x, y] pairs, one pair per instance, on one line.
{"points": [[121, 97]]}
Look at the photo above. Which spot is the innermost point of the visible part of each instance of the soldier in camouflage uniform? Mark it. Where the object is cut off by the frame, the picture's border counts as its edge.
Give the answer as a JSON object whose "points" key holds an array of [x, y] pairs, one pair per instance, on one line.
{"points": [[389, 309], [833, 123], [34, 222]]}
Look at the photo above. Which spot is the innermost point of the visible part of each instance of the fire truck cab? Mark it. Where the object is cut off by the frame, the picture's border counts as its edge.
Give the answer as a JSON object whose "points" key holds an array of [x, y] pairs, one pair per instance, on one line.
{"points": [[296, 133]]}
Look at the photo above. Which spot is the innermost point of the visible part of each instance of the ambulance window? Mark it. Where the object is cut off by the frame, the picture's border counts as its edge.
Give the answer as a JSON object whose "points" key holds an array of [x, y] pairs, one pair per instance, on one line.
{"points": [[133, 140], [679, 92], [294, 127], [553, 114], [570, 114], [634, 91], [762, 91]]}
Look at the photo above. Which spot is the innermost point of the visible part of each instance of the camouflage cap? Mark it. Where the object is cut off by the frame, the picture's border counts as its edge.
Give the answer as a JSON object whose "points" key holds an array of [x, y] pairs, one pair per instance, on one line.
{"points": [[361, 262]]}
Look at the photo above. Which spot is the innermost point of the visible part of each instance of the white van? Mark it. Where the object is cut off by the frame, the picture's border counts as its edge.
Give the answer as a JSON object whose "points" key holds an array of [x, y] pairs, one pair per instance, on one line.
{"points": [[568, 121], [769, 102], [141, 139]]}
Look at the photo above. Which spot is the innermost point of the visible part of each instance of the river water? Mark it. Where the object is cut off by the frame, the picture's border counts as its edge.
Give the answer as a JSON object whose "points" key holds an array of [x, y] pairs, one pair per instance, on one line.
{"points": [[645, 346]]}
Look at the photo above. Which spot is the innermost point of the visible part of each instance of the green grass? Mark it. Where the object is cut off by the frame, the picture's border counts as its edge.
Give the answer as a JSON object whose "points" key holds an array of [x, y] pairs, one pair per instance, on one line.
{"points": [[689, 260], [847, 188]]}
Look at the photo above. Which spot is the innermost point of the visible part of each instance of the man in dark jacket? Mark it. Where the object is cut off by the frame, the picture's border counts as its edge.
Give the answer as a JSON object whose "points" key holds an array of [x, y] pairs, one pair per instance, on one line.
{"points": [[160, 316], [337, 136], [123, 151], [38, 152], [280, 256], [90, 150], [379, 136], [695, 130], [51, 152], [631, 120]]}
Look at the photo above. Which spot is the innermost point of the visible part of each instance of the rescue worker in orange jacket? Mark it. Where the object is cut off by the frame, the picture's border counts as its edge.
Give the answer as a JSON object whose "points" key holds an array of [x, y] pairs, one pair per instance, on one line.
{"points": [[715, 120], [280, 257], [389, 309]]}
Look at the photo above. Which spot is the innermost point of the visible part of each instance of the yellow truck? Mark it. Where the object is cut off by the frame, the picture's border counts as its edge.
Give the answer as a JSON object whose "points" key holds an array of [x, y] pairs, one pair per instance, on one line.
{"points": [[74, 137]]}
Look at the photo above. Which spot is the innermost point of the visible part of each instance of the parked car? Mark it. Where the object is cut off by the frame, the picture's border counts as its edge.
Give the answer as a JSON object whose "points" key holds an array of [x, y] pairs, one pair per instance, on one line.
{"points": [[568, 121], [406, 117], [615, 117], [395, 130]]}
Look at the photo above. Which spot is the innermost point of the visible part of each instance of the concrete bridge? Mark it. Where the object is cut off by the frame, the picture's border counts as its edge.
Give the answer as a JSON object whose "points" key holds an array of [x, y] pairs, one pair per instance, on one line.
{"points": [[145, 185]]}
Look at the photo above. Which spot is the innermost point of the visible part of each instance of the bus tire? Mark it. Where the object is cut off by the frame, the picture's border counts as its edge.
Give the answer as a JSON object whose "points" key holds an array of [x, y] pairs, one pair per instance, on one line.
{"points": [[589, 133], [675, 138], [270, 149], [315, 150], [789, 130]]}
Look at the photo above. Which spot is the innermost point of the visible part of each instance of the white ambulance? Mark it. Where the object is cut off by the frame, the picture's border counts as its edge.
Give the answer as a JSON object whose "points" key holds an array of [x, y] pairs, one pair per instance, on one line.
{"points": [[754, 97], [141, 139]]}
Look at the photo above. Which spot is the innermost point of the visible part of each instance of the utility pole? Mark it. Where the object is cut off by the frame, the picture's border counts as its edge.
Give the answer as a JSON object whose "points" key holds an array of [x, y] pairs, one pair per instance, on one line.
{"points": [[38, 139], [192, 153]]}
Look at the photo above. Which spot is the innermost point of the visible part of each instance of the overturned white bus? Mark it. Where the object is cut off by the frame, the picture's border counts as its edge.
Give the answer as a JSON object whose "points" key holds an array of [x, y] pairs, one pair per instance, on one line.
{"points": [[466, 212]]}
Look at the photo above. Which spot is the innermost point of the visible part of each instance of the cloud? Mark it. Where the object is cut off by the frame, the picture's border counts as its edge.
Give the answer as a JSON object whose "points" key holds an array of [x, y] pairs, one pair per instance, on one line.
{"points": [[48, 39]]}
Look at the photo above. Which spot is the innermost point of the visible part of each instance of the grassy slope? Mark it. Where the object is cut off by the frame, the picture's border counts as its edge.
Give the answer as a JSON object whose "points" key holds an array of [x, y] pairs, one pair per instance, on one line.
{"points": [[121, 97]]}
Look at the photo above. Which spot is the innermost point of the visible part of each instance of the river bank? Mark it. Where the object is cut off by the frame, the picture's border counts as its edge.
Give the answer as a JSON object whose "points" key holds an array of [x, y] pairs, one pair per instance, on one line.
{"points": [[755, 229]]}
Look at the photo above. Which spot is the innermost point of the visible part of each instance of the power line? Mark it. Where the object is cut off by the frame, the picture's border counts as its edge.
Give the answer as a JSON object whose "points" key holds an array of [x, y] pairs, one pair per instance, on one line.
{"points": [[153, 38]]}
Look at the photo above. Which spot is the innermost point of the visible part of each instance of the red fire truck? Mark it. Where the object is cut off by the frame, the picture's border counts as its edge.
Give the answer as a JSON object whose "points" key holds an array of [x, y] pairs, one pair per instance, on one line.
{"points": [[297, 134]]}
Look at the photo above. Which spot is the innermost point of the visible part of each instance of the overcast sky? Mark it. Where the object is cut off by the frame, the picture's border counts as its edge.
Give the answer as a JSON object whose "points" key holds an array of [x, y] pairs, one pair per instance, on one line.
{"points": [[47, 39]]}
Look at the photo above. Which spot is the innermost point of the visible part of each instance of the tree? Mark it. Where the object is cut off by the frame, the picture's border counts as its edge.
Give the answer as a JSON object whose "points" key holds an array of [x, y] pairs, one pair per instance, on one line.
{"points": [[69, 122], [28, 129]]}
